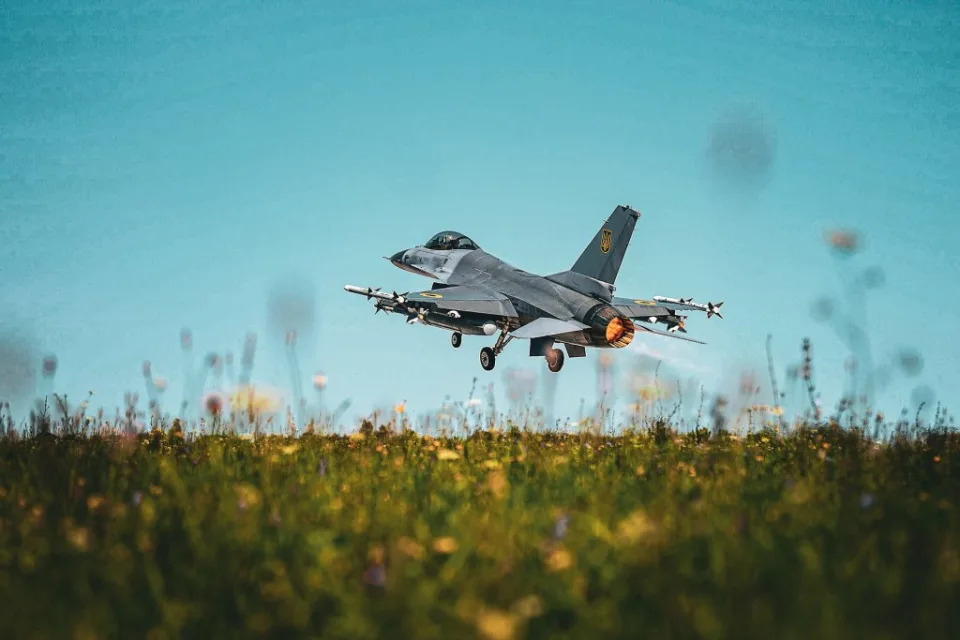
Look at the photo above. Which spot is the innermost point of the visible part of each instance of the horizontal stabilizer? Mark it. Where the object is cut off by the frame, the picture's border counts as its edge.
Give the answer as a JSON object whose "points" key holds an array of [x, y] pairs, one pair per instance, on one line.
{"points": [[543, 327]]}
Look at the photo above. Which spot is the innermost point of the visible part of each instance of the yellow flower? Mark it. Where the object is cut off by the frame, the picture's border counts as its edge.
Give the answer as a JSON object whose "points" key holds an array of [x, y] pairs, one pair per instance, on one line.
{"points": [[446, 544], [494, 624], [256, 399], [559, 559], [410, 548], [447, 454], [497, 483], [79, 537], [636, 526], [247, 495]]}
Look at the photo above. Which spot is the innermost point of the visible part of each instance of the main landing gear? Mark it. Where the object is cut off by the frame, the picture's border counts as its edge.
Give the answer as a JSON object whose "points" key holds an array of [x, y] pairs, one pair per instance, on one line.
{"points": [[488, 356], [554, 360]]}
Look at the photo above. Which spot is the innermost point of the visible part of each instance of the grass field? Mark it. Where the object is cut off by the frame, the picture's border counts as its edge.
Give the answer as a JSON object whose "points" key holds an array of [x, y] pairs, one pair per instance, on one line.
{"points": [[818, 534]]}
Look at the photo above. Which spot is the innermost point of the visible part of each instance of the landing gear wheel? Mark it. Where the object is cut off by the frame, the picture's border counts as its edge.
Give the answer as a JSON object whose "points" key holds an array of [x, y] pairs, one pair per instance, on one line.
{"points": [[555, 360], [487, 359], [456, 339]]}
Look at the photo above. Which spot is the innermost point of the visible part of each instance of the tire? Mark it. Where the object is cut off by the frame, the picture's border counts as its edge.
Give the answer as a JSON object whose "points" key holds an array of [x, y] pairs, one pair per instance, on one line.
{"points": [[456, 339], [488, 360], [555, 360]]}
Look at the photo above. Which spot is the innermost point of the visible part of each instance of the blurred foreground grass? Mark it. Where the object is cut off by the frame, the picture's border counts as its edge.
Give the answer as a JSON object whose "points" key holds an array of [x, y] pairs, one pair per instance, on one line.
{"points": [[819, 534]]}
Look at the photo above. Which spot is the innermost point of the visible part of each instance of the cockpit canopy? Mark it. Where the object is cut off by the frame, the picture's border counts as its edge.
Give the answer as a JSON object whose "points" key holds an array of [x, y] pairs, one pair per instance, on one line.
{"points": [[446, 240]]}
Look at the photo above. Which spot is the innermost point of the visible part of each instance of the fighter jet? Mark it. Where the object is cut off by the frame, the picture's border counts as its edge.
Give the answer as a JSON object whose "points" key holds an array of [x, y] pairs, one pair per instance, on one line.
{"points": [[476, 293]]}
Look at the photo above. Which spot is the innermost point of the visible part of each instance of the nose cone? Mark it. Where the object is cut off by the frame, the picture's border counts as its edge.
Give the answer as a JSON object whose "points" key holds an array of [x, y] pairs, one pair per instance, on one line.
{"points": [[398, 257], [410, 260]]}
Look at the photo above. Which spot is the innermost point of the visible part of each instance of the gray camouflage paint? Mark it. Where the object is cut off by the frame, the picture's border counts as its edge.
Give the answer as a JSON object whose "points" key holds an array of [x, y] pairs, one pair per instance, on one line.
{"points": [[474, 288]]}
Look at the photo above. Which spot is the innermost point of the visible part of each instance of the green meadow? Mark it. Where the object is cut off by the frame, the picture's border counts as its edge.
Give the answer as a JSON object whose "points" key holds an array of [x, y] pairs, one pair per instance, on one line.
{"points": [[819, 533]]}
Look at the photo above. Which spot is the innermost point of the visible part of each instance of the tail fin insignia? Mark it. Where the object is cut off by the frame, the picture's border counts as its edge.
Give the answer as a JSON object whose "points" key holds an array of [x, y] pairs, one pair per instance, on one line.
{"points": [[606, 239]]}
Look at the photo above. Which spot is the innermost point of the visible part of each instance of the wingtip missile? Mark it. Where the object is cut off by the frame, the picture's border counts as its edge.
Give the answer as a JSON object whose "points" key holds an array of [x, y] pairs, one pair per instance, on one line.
{"points": [[375, 293], [712, 309]]}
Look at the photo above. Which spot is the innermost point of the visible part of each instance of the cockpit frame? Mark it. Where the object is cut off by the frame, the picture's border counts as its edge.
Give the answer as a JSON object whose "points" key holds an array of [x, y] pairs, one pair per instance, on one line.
{"points": [[449, 240]]}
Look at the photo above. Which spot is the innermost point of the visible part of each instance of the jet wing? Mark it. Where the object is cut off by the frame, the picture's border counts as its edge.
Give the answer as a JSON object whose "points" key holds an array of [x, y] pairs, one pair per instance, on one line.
{"points": [[641, 327], [463, 298], [543, 327], [640, 308], [459, 299], [661, 306]]}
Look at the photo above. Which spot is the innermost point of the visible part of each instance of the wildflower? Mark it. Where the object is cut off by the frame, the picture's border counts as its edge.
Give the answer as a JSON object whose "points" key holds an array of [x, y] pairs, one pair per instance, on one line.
{"points": [[49, 366], [558, 559], [289, 449], [256, 400], [635, 527], [213, 402], [410, 548], [843, 241], [910, 362], [376, 575], [560, 526], [247, 496], [319, 381], [447, 454], [445, 545], [401, 408], [497, 483], [494, 624], [79, 537], [160, 384]]}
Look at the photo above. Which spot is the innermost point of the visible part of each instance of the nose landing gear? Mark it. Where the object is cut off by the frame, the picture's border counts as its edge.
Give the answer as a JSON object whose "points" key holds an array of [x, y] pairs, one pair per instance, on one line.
{"points": [[456, 339]]}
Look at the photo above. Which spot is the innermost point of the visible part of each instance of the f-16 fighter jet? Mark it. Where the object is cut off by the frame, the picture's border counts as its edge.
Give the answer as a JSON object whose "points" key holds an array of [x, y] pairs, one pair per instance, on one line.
{"points": [[476, 293]]}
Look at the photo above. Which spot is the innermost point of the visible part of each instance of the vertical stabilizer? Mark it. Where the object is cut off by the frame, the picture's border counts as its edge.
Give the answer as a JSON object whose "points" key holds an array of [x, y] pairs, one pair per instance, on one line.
{"points": [[602, 257]]}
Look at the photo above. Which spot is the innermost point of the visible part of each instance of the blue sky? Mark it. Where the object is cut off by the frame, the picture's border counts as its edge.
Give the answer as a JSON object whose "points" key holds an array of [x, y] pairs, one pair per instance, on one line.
{"points": [[166, 165]]}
